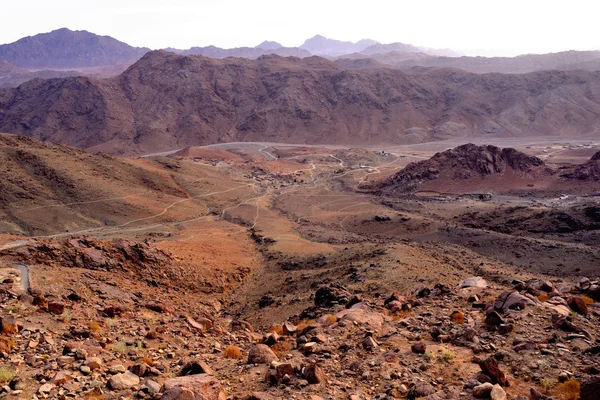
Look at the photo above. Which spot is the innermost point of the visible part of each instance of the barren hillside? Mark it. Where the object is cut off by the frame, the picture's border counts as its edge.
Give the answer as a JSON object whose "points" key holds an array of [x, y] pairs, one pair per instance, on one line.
{"points": [[167, 101]]}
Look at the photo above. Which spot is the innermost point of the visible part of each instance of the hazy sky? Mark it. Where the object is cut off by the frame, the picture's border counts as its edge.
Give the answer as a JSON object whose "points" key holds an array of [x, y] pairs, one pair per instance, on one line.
{"points": [[489, 27]]}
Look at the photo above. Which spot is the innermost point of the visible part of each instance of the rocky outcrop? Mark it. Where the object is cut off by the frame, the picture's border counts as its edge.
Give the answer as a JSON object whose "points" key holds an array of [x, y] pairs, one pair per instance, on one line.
{"points": [[462, 164]]}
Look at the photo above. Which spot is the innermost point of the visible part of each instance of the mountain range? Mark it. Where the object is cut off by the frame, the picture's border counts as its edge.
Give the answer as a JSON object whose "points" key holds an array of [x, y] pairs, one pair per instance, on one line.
{"points": [[167, 101]]}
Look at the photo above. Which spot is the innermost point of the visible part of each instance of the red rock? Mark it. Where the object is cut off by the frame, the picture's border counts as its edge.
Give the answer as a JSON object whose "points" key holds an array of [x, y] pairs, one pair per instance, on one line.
{"points": [[491, 368], [200, 324], [578, 305], [56, 308], [313, 374], [159, 308], [418, 348]]}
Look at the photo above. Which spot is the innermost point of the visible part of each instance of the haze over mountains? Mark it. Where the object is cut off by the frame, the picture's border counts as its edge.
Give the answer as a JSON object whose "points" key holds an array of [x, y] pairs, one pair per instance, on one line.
{"points": [[102, 56]]}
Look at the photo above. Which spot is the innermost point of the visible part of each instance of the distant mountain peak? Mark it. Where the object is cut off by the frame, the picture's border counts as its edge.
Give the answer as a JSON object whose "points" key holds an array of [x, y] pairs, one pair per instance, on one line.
{"points": [[64, 48], [269, 45]]}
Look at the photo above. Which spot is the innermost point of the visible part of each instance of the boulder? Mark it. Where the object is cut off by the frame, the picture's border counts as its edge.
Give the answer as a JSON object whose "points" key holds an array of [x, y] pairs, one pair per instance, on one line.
{"points": [[512, 301], [261, 354], [483, 390], [475, 281], [193, 387], [497, 393], [123, 381]]}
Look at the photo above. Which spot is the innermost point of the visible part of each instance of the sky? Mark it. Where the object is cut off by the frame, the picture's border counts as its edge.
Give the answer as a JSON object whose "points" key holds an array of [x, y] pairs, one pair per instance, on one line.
{"points": [[471, 27]]}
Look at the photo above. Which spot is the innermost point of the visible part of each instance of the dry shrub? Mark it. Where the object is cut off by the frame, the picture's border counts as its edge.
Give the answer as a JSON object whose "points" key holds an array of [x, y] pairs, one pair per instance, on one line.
{"points": [[330, 320], [304, 324], [568, 390], [458, 317], [401, 315], [543, 297], [146, 360], [232, 352], [281, 348], [278, 329], [587, 300], [95, 326], [301, 326], [7, 344]]}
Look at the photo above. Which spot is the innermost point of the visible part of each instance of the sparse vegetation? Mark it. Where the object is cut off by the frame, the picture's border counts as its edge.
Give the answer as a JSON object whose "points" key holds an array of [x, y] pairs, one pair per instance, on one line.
{"points": [[66, 317], [119, 347], [110, 322], [446, 355], [547, 384], [6, 374]]}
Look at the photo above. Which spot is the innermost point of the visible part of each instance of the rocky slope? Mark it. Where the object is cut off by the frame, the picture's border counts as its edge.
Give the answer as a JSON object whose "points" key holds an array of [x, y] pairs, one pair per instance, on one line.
{"points": [[90, 333], [47, 187], [167, 101], [461, 166], [64, 48]]}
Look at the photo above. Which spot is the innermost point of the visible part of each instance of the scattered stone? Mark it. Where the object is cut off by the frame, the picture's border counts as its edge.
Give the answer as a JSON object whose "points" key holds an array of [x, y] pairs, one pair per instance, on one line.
{"points": [[56, 307], [313, 374], [195, 368], [123, 381], [93, 363], [418, 348], [483, 390]]}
